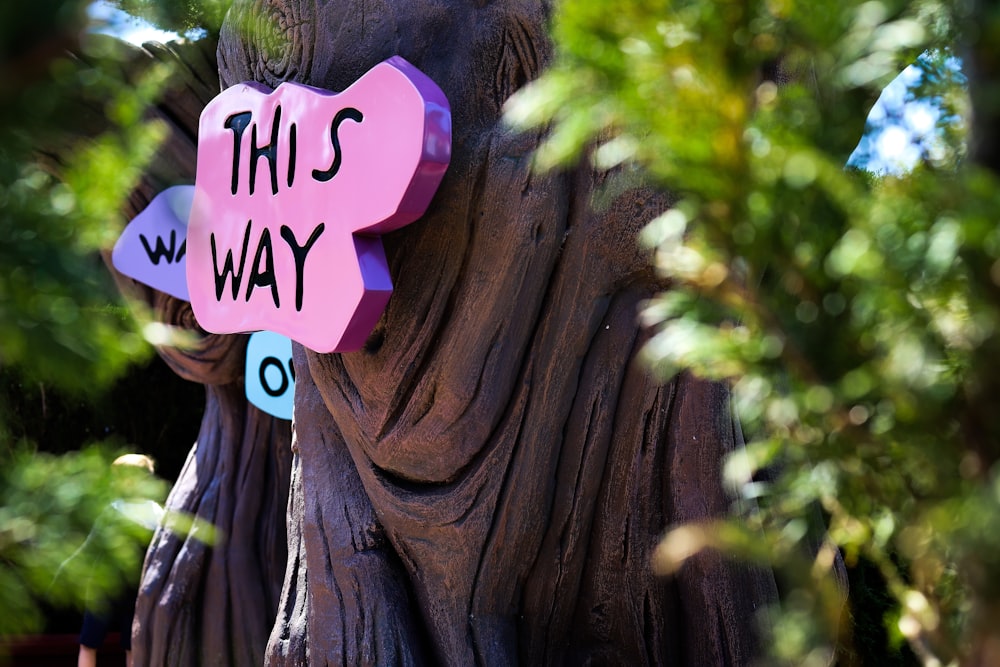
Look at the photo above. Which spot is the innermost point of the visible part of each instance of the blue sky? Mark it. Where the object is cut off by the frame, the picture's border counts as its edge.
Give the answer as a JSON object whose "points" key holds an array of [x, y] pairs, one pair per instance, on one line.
{"points": [[110, 20], [901, 128]]}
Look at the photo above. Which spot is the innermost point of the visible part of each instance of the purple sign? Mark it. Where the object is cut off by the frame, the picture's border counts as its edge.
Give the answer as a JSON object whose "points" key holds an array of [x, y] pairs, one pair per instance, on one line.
{"points": [[294, 187], [152, 249]]}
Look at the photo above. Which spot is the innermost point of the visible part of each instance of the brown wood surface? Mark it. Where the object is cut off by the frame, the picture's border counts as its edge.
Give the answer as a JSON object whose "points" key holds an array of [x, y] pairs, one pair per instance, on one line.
{"points": [[209, 603], [485, 481]]}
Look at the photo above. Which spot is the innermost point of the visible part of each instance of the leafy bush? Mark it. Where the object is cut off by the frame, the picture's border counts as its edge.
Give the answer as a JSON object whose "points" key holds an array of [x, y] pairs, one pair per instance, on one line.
{"points": [[856, 317], [73, 144]]}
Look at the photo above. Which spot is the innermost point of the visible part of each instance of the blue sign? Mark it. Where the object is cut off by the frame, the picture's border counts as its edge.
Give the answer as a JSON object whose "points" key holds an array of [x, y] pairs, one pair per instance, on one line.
{"points": [[270, 379]]}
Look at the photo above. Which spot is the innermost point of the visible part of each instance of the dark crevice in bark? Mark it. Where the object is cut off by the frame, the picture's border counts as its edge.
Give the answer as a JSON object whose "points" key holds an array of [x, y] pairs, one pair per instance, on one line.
{"points": [[412, 377]]}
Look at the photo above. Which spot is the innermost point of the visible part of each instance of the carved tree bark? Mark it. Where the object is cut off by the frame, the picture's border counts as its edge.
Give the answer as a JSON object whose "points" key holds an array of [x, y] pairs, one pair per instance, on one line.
{"points": [[199, 603], [484, 483], [203, 604]]}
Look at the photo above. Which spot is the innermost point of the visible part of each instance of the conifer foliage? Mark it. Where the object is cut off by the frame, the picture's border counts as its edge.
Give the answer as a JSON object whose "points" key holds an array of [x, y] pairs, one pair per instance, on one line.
{"points": [[855, 316]]}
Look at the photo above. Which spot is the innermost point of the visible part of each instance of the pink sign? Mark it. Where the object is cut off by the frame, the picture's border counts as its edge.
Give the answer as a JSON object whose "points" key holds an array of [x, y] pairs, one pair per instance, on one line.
{"points": [[294, 187], [152, 247]]}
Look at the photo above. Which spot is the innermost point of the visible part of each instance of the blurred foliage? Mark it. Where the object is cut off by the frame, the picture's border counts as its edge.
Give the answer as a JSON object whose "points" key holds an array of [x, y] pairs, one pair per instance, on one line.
{"points": [[59, 321], [73, 143], [60, 539], [855, 316], [184, 17]]}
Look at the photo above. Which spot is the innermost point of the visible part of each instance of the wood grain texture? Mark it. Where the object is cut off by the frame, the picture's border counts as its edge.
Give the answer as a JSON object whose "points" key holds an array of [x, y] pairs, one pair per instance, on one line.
{"points": [[483, 483], [202, 604]]}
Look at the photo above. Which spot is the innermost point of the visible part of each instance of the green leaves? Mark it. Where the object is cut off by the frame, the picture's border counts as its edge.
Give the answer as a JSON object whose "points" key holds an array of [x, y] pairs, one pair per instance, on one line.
{"points": [[73, 144], [855, 316], [60, 539], [57, 317], [180, 16]]}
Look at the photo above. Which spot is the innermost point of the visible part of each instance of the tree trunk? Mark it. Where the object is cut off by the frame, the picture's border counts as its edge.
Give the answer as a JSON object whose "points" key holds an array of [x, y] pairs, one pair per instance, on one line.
{"points": [[485, 481], [212, 603]]}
